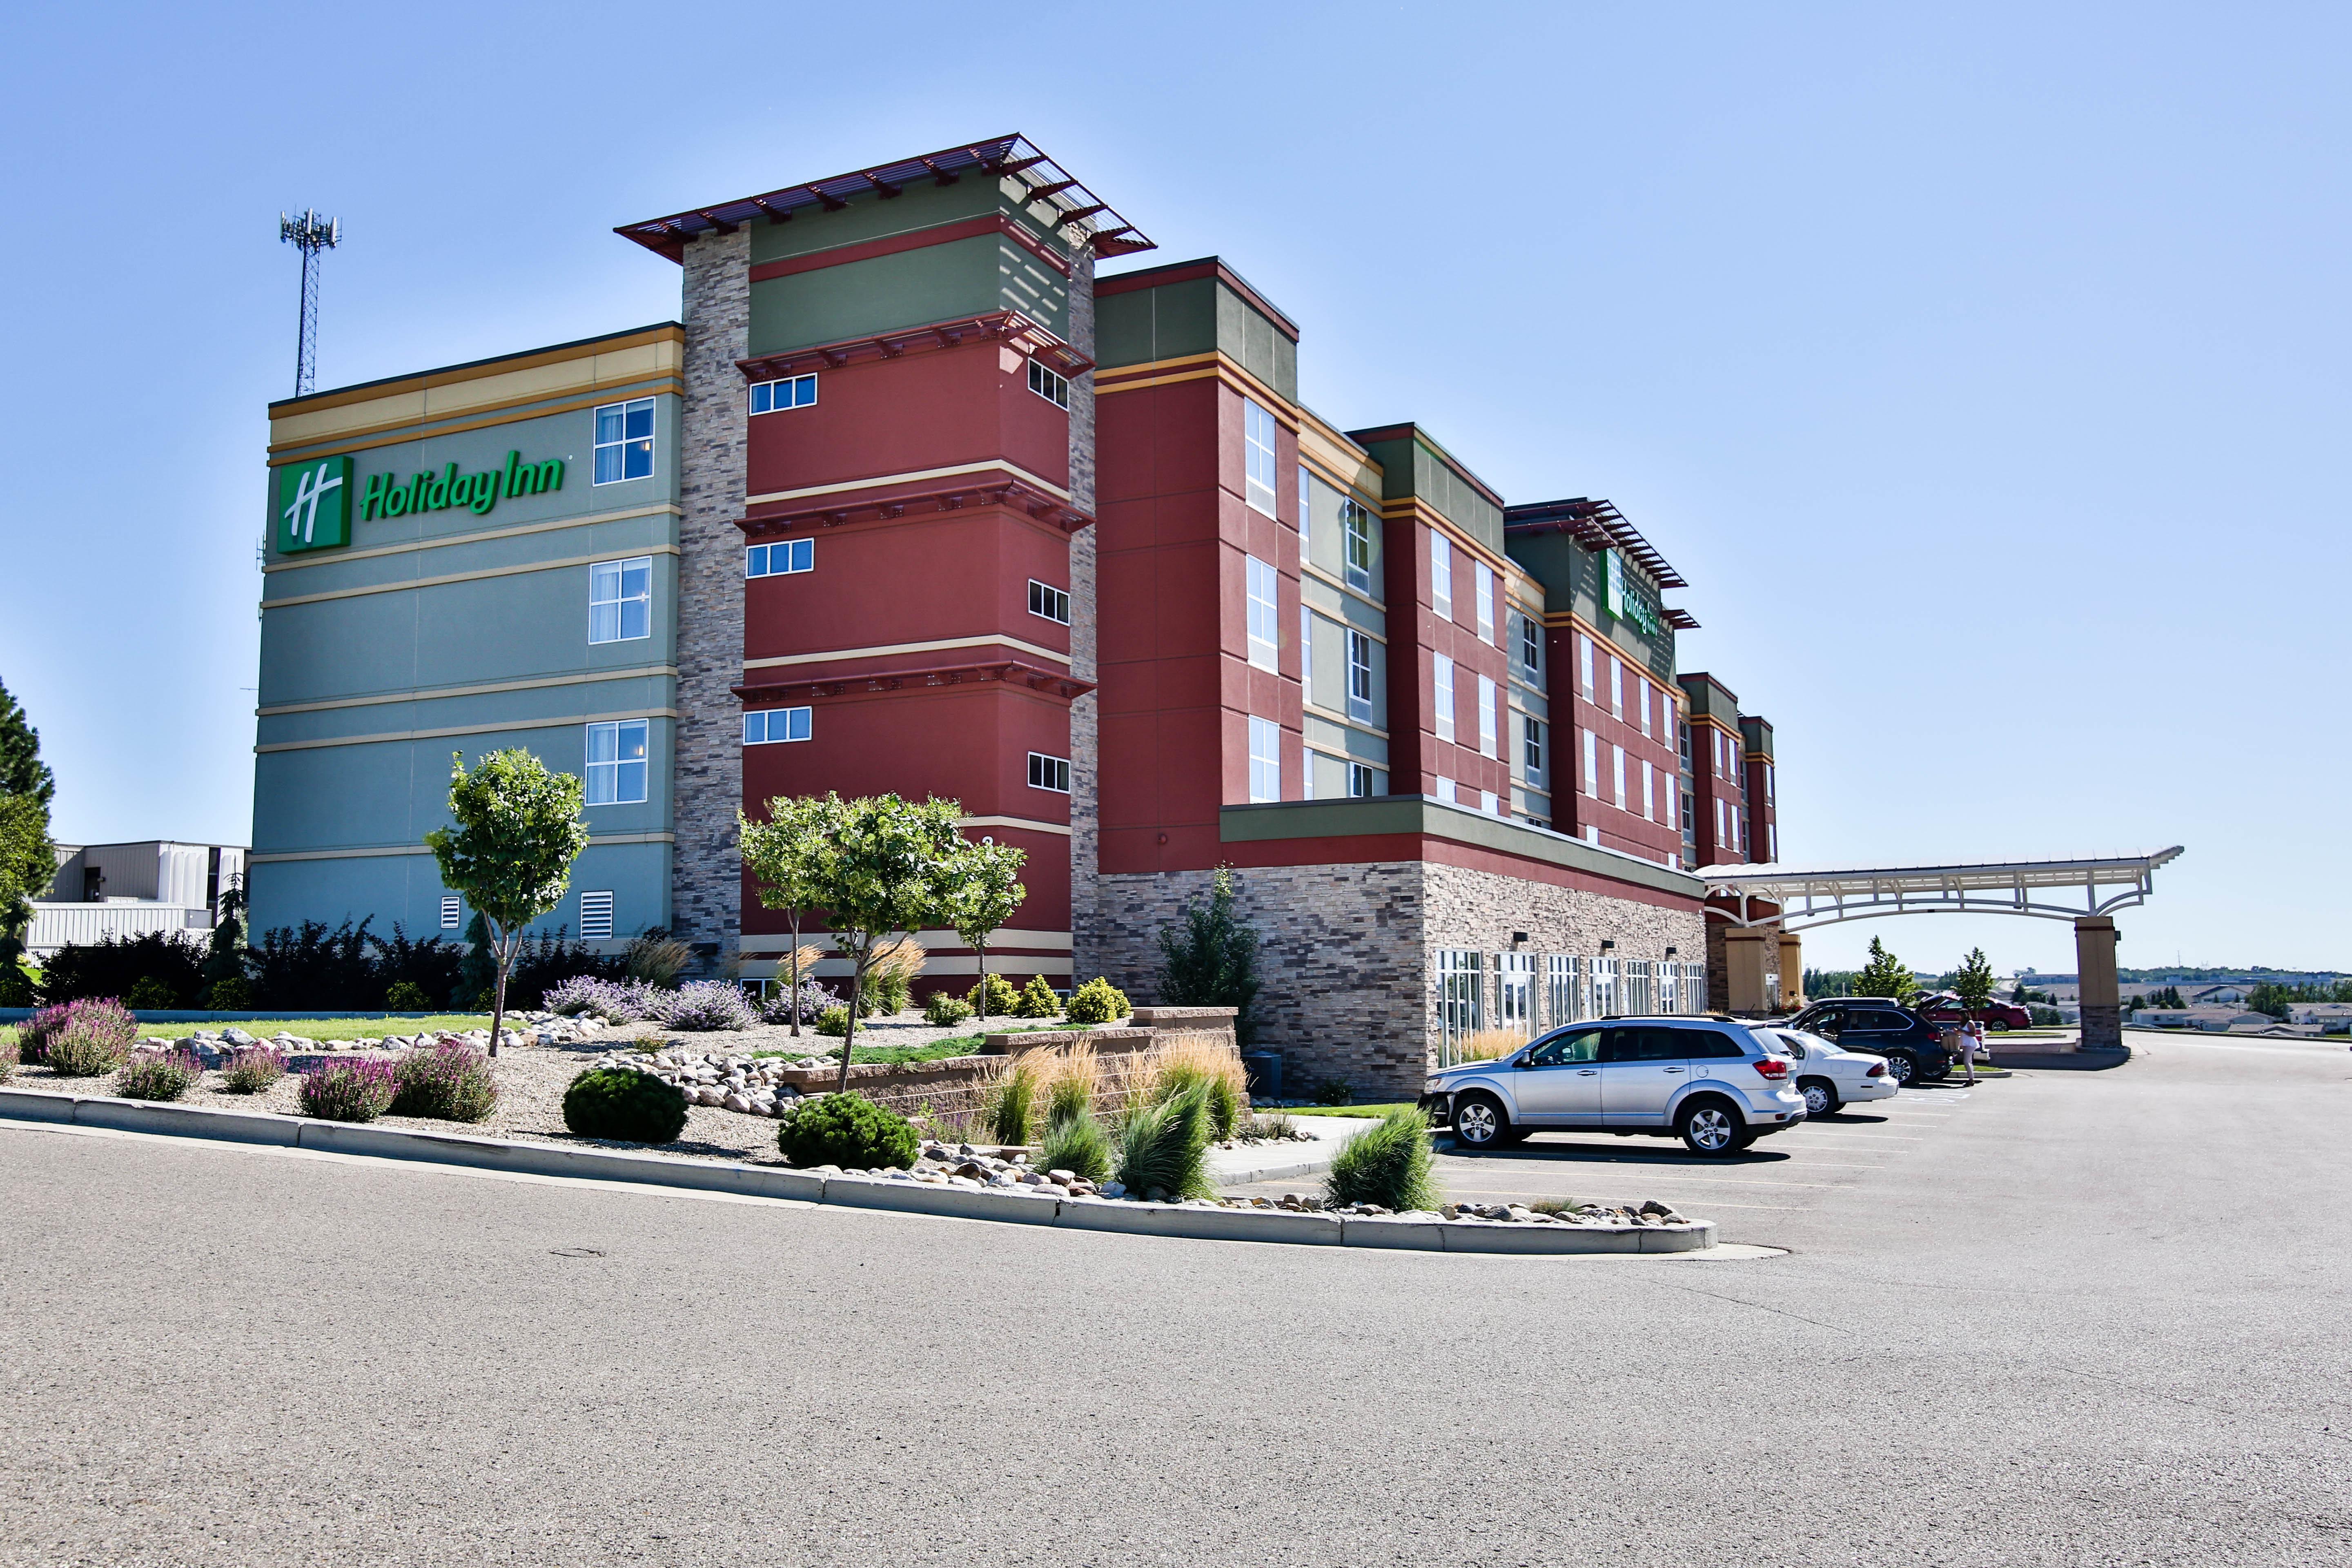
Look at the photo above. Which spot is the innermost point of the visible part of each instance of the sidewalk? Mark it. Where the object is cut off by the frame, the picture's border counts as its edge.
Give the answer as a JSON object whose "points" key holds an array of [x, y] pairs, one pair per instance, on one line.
{"points": [[1279, 1162]]}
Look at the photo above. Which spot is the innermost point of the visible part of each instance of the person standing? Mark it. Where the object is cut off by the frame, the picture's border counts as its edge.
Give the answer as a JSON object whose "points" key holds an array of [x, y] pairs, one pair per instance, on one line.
{"points": [[1971, 1042]]}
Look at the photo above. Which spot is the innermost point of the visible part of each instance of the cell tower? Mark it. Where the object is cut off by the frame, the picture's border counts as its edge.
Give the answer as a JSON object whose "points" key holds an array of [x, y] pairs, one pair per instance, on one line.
{"points": [[311, 234]]}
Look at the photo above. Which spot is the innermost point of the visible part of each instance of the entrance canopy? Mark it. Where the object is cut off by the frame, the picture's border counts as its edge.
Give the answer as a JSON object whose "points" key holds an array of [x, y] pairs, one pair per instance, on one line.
{"points": [[1811, 896]]}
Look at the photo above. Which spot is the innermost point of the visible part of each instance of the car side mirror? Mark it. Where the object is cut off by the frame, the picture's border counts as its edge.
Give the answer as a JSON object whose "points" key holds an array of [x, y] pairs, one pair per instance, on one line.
{"points": [[1523, 1061]]}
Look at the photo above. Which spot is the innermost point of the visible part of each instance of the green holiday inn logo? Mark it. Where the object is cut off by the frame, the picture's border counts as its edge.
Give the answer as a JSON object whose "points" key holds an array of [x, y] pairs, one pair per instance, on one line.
{"points": [[314, 505]]}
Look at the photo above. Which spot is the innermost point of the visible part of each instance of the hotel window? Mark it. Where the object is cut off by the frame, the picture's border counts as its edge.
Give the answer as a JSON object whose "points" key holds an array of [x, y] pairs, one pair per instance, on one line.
{"points": [[453, 912], [1646, 690], [1616, 686], [616, 762], [1257, 438], [1649, 792], [1265, 759], [1049, 773], [1360, 780], [1444, 694], [791, 392], [1768, 797], [1584, 664], [1307, 654], [596, 916], [1592, 763], [774, 726], [1264, 647], [780, 559], [1667, 793], [625, 441], [1488, 803], [621, 600], [1359, 677], [1483, 583], [1049, 602], [1048, 385], [1441, 575], [1531, 749], [1356, 524], [1531, 650], [1666, 723], [1445, 789], [1772, 842], [1486, 725], [1722, 834], [1617, 755]]}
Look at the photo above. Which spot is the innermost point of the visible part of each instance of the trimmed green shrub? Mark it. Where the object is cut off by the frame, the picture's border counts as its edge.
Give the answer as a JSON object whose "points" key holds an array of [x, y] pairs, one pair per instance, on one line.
{"points": [[1334, 1091], [1098, 1002], [407, 996], [233, 995], [1163, 1149], [849, 1131], [1077, 1145], [624, 1104], [945, 1010], [86, 1039], [348, 1090], [150, 995], [1003, 1000], [159, 1075], [1388, 1164], [254, 1070], [1008, 1108], [16, 986], [447, 1082], [1038, 1001], [834, 1021]]}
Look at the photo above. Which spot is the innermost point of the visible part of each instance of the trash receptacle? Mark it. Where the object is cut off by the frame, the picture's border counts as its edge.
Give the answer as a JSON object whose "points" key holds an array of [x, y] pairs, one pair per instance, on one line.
{"points": [[1263, 1072]]}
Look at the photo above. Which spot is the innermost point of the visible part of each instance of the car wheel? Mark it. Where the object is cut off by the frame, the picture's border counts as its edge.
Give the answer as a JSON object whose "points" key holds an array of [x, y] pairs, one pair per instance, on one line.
{"points": [[1820, 1099], [1902, 1067], [1934, 1070], [1480, 1123], [1710, 1127]]}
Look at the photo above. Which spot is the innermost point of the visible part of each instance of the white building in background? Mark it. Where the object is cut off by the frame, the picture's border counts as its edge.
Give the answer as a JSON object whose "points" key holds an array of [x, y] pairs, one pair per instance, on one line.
{"points": [[105, 890]]}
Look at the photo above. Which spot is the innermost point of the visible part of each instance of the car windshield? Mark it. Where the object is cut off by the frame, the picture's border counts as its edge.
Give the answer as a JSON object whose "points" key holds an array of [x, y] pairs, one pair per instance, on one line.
{"points": [[1813, 1045]]}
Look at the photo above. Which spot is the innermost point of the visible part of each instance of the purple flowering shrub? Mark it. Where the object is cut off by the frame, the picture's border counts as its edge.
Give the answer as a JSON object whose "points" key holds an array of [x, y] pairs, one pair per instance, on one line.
{"points": [[703, 1005], [352, 1090], [253, 1069], [614, 1001], [81, 1038], [159, 1075], [776, 1007], [450, 1081]]}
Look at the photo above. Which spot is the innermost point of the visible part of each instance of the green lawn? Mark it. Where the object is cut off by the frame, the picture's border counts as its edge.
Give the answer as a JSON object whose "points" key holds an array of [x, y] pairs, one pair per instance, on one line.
{"points": [[899, 1055], [329, 1028], [1336, 1109]]}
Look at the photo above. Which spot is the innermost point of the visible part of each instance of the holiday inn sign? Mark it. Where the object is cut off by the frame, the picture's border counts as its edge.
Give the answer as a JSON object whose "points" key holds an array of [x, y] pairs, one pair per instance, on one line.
{"points": [[314, 498]]}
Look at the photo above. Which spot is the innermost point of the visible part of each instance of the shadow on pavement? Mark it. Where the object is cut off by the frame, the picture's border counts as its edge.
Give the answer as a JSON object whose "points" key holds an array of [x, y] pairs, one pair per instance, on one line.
{"points": [[1588, 1154]]}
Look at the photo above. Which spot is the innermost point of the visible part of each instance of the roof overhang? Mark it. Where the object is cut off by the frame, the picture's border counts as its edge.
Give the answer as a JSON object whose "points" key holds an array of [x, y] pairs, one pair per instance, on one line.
{"points": [[1065, 203], [1597, 525], [1811, 896]]}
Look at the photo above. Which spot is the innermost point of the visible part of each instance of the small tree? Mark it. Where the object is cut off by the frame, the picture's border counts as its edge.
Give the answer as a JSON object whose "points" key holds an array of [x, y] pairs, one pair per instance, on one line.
{"points": [[28, 863], [1211, 959], [987, 892], [1973, 981], [225, 952], [892, 869], [518, 830], [1885, 976], [785, 855]]}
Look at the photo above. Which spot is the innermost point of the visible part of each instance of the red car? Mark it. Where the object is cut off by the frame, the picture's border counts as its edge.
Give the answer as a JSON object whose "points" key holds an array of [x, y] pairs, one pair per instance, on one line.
{"points": [[1943, 1010]]}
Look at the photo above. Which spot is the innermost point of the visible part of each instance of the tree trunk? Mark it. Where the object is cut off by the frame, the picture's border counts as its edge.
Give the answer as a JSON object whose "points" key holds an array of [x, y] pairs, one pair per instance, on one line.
{"points": [[981, 947], [849, 1040], [506, 952], [796, 975]]}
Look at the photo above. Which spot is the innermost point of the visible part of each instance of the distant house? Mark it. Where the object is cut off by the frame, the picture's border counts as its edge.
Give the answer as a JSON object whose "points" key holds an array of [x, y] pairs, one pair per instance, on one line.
{"points": [[2225, 995], [105, 890]]}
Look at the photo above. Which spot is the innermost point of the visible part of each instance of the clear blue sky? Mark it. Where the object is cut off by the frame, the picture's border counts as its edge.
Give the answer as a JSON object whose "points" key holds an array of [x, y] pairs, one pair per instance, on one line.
{"points": [[1983, 370]]}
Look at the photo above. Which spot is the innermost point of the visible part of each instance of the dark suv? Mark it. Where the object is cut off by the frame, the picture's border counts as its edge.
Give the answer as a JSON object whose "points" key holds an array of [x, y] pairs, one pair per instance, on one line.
{"points": [[1881, 1027]]}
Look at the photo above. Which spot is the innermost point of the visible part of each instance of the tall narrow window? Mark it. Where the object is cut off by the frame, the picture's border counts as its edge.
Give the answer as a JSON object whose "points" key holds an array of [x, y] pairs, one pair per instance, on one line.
{"points": [[1768, 797], [1257, 438], [1645, 707], [625, 441], [1356, 524], [1307, 649], [1445, 790], [1584, 664], [1264, 648], [1531, 749], [1772, 842], [1616, 686], [1667, 793], [1264, 759], [1360, 780], [1531, 650], [1359, 677], [620, 600], [1483, 585], [1591, 764], [616, 762], [1649, 792], [1617, 754], [1444, 696], [1487, 721], [1441, 575]]}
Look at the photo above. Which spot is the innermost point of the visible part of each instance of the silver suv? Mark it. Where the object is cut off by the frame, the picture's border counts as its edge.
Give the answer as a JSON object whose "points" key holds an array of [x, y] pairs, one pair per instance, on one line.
{"points": [[1709, 1080]]}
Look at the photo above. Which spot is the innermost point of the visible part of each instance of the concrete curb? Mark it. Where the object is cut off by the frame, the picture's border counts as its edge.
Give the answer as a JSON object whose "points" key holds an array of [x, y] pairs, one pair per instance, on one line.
{"points": [[515, 1157]]}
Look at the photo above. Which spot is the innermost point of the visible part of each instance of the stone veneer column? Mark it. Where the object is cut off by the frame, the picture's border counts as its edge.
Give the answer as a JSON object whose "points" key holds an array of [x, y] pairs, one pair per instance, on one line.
{"points": [[1086, 804], [706, 775]]}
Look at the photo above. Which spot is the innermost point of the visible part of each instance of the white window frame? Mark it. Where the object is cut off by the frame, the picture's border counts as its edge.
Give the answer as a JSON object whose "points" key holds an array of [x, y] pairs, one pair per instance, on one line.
{"points": [[1617, 765], [1649, 792], [1564, 989], [1531, 749], [614, 575], [1442, 704], [1616, 687], [1584, 664], [596, 915], [781, 558], [1441, 575], [1770, 786], [1050, 774], [1488, 737], [1514, 992], [778, 726], [1049, 603], [1483, 584], [1356, 529], [1050, 385], [1646, 690], [1488, 803], [1259, 445], [598, 445], [797, 392], [1306, 652], [1360, 676], [1604, 987], [1592, 763], [1531, 650], [1461, 997], [611, 772], [1445, 790], [1360, 780], [1264, 759], [1262, 587]]}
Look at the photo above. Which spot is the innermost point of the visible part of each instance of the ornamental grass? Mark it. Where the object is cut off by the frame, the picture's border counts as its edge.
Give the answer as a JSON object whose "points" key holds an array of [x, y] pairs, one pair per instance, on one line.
{"points": [[1163, 1148], [1190, 1061], [1389, 1164], [1489, 1045]]}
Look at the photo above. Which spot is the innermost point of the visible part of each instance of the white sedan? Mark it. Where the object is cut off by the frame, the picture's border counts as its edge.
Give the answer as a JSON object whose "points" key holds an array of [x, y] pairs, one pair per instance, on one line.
{"points": [[1829, 1077]]}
